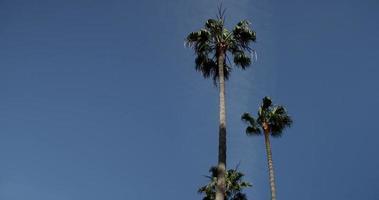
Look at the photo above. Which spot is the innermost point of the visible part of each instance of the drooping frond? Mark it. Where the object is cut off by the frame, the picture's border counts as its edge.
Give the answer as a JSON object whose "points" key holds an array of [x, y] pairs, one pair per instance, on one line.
{"points": [[204, 43], [205, 65], [234, 185], [239, 44], [242, 59], [279, 120], [208, 67], [227, 71], [253, 130], [253, 127], [243, 34]]}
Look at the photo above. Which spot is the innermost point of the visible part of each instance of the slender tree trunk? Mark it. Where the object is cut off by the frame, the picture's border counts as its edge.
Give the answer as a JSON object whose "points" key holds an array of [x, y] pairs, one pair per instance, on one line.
{"points": [[270, 164], [221, 168]]}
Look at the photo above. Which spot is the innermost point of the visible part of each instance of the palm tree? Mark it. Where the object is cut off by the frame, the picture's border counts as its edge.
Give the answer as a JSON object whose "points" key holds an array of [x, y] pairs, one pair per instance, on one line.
{"points": [[234, 185], [272, 120], [213, 45]]}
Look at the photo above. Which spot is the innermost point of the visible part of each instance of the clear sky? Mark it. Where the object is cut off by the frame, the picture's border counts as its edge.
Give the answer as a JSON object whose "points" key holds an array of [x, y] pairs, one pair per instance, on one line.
{"points": [[100, 100]]}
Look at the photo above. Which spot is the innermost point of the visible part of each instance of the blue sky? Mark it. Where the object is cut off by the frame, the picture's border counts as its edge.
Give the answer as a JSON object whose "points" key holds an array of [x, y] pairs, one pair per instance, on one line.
{"points": [[100, 99]]}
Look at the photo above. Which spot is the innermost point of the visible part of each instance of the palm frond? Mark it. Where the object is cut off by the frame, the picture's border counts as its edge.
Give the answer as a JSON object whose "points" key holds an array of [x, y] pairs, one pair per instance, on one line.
{"points": [[239, 43], [202, 35], [246, 117], [234, 185], [279, 120], [242, 60], [243, 34], [253, 130], [221, 12], [200, 41], [266, 102], [209, 68], [215, 27], [205, 65], [253, 127]]}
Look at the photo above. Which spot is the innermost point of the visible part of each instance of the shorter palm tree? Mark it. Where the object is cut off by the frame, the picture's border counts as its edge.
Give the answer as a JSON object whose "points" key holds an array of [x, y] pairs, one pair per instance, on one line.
{"points": [[233, 182], [272, 120]]}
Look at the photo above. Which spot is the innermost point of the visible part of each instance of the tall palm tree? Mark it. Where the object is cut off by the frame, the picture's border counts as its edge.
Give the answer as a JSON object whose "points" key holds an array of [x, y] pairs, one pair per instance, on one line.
{"points": [[213, 45], [272, 120], [234, 185]]}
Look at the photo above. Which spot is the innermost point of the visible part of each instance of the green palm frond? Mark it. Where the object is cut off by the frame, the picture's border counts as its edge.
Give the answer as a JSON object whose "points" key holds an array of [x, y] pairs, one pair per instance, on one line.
{"points": [[243, 34], [242, 60], [253, 127], [242, 37], [263, 111], [234, 185], [207, 66], [202, 35], [246, 117], [216, 28], [251, 130], [266, 102], [279, 120], [227, 71]]}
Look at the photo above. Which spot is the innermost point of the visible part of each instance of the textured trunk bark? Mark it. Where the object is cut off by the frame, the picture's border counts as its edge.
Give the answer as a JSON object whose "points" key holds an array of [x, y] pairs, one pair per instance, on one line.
{"points": [[270, 164], [221, 168]]}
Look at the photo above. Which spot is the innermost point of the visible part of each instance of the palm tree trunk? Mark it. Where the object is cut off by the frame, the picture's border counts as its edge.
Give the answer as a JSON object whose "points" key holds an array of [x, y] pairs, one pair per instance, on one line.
{"points": [[270, 165], [221, 168]]}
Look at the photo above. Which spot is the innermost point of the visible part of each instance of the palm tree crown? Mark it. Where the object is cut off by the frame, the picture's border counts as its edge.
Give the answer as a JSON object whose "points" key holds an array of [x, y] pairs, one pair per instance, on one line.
{"points": [[274, 116], [214, 39], [234, 185]]}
